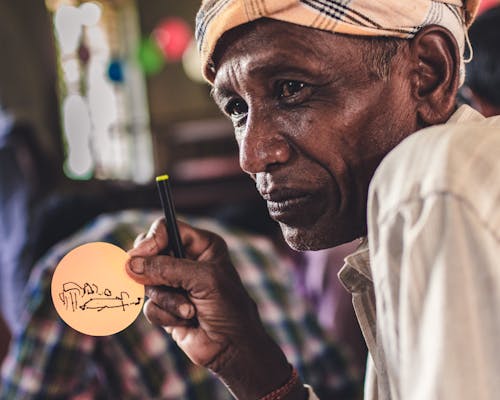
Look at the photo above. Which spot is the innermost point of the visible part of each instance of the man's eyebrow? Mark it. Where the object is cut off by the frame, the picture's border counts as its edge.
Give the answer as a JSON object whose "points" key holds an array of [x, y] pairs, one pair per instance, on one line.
{"points": [[277, 67], [219, 93]]}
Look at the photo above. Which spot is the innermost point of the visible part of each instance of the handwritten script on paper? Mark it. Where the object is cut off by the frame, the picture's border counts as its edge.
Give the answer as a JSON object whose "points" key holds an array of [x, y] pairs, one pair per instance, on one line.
{"points": [[89, 297]]}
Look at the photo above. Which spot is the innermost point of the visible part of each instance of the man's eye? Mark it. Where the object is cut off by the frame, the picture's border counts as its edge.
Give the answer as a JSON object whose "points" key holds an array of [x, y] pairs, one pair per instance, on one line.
{"points": [[289, 88], [236, 108]]}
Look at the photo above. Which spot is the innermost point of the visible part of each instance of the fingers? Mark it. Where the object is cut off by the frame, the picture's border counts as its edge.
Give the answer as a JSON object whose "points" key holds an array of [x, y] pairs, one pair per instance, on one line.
{"points": [[164, 271], [153, 242], [139, 239], [173, 300], [200, 244], [195, 241], [157, 316]]}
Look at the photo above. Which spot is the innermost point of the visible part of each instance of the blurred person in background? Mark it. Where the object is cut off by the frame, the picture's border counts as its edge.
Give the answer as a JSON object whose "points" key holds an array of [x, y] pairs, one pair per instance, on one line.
{"points": [[482, 81], [25, 177]]}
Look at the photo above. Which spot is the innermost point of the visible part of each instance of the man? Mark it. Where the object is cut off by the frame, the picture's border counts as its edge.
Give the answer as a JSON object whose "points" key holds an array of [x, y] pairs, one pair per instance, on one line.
{"points": [[482, 82], [349, 136], [24, 172]]}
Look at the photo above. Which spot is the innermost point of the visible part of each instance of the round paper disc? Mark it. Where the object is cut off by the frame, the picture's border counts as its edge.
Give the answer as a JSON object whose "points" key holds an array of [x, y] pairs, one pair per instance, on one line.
{"points": [[91, 291]]}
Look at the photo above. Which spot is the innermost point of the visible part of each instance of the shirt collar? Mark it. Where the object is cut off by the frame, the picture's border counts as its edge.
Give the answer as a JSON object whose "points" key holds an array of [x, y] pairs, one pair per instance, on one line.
{"points": [[465, 113], [356, 275]]}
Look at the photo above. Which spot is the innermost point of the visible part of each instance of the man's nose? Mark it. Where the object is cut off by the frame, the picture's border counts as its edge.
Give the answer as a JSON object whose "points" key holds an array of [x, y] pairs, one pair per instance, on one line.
{"points": [[262, 144]]}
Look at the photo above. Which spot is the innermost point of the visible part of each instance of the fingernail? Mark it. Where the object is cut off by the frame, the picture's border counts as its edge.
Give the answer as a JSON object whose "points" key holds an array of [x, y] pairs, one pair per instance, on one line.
{"points": [[137, 265], [186, 311]]}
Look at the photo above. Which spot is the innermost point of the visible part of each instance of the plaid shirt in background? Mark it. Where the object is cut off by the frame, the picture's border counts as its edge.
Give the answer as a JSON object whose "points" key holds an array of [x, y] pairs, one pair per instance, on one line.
{"points": [[49, 360]]}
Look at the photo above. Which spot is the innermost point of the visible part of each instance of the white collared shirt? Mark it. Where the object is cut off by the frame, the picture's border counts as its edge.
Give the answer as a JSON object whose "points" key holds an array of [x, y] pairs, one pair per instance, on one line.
{"points": [[426, 286]]}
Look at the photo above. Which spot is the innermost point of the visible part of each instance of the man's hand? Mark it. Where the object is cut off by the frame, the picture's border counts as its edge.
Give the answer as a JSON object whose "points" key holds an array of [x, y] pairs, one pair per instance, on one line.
{"points": [[201, 302]]}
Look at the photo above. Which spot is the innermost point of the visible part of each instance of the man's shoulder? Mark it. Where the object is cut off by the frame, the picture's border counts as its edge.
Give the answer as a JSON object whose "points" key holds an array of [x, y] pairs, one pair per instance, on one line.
{"points": [[460, 158]]}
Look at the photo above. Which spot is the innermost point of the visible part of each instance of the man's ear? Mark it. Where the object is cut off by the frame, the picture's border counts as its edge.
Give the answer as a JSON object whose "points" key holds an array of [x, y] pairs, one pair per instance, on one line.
{"points": [[435, 74]]}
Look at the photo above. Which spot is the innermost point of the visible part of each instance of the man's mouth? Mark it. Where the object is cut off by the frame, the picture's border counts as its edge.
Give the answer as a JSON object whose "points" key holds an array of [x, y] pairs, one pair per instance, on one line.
{"points": [[288, 205]]}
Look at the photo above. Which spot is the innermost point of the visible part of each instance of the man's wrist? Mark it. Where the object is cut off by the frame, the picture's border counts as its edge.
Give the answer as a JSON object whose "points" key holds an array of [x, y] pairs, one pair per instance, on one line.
{"points": [[293, 389], [257, 370]]}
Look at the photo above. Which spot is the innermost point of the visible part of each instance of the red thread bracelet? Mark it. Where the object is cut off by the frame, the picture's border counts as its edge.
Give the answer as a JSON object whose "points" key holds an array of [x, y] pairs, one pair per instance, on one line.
{"points": [[285, 389]]}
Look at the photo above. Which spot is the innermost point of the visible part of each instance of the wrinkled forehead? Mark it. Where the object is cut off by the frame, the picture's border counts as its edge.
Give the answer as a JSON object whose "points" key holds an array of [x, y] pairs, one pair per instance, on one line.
{"points": [[266, 46], [266, 37], [267, 51]]}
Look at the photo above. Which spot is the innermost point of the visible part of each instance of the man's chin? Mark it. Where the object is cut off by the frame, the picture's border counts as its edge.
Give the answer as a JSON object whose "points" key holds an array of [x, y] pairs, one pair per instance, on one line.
{"points": [[303, 239]]}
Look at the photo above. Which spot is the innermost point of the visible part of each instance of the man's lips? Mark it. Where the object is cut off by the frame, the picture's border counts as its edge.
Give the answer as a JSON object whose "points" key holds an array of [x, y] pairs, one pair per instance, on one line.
{"points": [[282, 195], [287, 205]]}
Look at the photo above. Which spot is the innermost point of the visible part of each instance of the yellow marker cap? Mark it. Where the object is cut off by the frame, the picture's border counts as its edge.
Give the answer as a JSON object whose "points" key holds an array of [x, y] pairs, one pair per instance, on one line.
{"points": [[162, 178]]}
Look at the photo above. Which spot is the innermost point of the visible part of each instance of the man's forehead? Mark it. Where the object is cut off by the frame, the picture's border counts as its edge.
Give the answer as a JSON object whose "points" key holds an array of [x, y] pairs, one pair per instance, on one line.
{"points": [[326, 58], [268, 43]]}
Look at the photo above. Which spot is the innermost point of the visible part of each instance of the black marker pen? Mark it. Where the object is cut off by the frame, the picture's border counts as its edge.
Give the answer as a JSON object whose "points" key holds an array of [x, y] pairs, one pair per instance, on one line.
{"points": [[174, 240]]}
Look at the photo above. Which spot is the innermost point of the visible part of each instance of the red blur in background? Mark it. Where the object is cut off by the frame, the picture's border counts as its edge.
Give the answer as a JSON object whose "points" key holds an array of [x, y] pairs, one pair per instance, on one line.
{"points": [[173, 36], [485, 4]]}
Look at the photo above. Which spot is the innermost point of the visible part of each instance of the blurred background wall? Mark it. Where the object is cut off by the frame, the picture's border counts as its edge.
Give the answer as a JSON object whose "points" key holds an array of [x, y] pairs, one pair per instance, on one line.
{"points": [[148, 113]]}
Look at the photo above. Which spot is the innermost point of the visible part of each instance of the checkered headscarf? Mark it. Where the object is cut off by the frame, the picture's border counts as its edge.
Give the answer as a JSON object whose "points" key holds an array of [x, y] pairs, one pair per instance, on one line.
{"points": [[393, 18]]}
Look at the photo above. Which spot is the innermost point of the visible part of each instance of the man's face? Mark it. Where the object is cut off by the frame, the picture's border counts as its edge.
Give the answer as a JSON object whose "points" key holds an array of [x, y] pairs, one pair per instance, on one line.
{"points": [[312, 122]]}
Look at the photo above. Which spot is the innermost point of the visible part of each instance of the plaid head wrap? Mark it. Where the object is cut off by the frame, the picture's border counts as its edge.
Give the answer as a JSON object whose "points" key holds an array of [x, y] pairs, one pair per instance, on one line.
{"points": [[393, 18]]}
